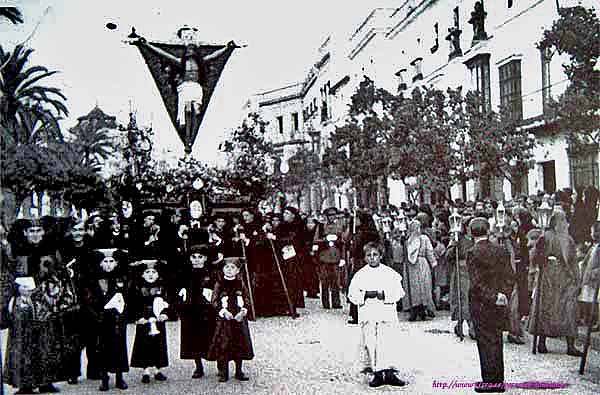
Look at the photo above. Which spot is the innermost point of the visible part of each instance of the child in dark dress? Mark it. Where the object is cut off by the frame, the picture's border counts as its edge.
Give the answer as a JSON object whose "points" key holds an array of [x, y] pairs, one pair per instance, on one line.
{"points": [[231, 341], [104, 298], [149, 311], [197, 314]]}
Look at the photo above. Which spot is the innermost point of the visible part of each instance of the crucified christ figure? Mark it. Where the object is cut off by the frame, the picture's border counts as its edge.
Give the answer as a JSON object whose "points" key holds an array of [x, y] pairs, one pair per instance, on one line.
{"points": [[190, 69]]}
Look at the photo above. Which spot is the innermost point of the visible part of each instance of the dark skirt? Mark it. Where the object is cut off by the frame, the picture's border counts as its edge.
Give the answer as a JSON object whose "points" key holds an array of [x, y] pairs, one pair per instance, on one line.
{"points": [[197, 330], [231, 342], [37, 351], [111, 347], [150, 350]]}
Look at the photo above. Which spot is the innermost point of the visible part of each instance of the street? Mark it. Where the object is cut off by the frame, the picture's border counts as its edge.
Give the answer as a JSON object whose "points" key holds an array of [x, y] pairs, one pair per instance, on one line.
{"points": [[317, 354]]}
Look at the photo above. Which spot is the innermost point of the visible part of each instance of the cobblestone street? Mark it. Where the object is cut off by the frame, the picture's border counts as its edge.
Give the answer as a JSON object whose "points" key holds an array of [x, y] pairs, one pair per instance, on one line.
{"points": [[317, 354]]}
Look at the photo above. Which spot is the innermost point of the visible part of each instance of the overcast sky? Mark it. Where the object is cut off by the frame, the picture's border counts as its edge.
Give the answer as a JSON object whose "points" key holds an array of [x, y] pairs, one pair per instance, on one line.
{"points": [[97, 68]]}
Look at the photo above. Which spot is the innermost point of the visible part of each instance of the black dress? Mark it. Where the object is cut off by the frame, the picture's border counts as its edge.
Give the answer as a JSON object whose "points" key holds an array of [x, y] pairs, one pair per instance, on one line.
{"points": [[197, 314], [148, 350], [231, 341], [108, 328]]}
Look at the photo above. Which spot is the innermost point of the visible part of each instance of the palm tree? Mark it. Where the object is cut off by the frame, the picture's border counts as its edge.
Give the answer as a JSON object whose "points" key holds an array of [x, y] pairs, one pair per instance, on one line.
{"points": [[19, 91], [13, 14], [92, 138]]}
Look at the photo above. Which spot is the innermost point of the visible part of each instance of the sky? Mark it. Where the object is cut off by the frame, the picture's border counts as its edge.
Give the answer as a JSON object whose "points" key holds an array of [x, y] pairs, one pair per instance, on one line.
{"points": [[97, 68]]}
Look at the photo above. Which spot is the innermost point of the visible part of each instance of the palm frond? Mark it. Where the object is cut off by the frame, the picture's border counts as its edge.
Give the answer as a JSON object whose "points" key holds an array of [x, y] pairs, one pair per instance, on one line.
{"points": [[13, 14]]}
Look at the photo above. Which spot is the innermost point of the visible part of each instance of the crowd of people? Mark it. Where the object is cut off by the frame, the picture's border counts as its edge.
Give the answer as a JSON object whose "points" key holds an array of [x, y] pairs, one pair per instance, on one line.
{"points": [[73, 284]]}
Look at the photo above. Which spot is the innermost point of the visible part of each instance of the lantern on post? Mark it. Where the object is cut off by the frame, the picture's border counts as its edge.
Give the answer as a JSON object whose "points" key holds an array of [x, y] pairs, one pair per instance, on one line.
{"points": [[544, 212], [500, 215], [402, 222], [455, 225]]}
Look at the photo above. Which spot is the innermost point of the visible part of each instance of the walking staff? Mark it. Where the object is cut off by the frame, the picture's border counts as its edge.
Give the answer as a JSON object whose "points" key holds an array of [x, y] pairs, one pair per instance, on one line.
{"points": [[455, 227], [242, 238], [285, 288], [403, 229], [544, 213]]}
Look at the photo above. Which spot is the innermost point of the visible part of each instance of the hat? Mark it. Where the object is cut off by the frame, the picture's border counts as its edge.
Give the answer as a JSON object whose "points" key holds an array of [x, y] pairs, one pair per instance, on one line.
{"points": [[292, 210], [235, 260], [331, 211], [146, 264], [148, 213], [202, 249], [479, 226], [106, 252], [26, 282]]}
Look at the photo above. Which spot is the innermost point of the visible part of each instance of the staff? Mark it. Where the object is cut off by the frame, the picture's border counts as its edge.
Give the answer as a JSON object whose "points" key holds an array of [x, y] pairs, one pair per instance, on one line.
{"points": [[544, 213], [455, 229], [250, 293], [285, 289], [403, 228]]}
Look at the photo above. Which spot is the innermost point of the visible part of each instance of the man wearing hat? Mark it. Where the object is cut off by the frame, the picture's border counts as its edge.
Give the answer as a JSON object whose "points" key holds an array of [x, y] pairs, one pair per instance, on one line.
{"points": [[491, 280], [329, 248]]}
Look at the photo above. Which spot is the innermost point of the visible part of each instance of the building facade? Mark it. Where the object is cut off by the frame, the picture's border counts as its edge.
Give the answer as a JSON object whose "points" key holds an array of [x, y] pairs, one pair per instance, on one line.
{"points": [[490, 47]]}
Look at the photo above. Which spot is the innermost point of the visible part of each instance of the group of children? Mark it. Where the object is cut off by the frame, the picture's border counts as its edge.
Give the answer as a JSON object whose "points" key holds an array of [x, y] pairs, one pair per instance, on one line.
{"points": [[212, 304]]}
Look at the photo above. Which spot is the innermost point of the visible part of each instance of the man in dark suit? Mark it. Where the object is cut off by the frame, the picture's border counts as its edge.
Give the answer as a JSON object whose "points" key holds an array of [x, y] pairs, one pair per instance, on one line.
{"points": [[491, 283]]}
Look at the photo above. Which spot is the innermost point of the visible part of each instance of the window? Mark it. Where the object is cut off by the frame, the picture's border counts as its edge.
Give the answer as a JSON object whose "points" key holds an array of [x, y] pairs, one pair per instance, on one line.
{"points": [[510, 88], [295, 124], [584, 168], [479, 66], [549, 174], [546, 57], [280, 124]]}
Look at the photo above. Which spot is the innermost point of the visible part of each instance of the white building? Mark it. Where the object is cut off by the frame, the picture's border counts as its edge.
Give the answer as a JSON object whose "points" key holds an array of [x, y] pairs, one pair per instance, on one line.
{"points": [[487, 46]]}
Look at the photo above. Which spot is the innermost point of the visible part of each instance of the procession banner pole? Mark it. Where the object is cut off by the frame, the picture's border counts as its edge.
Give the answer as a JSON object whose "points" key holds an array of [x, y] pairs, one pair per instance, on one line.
{"points": [[458, 289], [250, 292], [588, 334], [285, 289]]}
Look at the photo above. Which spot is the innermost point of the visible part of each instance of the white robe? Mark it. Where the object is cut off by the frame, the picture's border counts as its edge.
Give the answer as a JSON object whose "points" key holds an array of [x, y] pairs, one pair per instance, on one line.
{"points": [[378, 319]]}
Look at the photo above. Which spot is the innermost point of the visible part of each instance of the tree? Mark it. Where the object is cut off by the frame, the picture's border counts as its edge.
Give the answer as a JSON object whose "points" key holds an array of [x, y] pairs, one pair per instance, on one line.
{"points": [[21, 94], [358, 149], [92, 139], [250, 159], [577, 34], [13, 14]]}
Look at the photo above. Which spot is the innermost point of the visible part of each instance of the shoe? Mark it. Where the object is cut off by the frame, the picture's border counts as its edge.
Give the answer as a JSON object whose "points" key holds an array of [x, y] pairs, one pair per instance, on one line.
{"points": [[515, 339], [160, 377], [25, 390], [295, 315], [73, 381], [430, 314], [377, 380], [490, 389], [413, 315], [121, 384], [472, 334], [574, 353], [104, 385], [392, 379], [146, 379], [241, 376], [541, 348], [48, 389], [352, 322], [367, 370], [458, 331], [198, 374]]}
